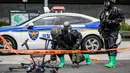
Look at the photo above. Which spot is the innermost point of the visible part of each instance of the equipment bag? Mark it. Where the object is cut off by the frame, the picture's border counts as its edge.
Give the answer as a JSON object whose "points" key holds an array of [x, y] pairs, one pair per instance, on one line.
{"points": [[77, 58]]}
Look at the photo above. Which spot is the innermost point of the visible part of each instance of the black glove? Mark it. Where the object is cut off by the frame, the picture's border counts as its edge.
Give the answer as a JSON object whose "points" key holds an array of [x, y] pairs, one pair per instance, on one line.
{"points": [[53, 47], [76, 46], [53, 57], [107, 21], [100, 30], [110, 21]]}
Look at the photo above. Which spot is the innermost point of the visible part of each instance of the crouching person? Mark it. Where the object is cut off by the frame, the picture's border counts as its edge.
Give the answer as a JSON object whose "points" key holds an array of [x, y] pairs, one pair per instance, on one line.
{"points": [[67, 39]]}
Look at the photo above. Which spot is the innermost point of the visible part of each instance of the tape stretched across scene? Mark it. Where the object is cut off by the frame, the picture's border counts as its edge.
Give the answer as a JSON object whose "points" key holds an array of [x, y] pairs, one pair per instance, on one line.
{"points": [[57, 51], [11, 50]]}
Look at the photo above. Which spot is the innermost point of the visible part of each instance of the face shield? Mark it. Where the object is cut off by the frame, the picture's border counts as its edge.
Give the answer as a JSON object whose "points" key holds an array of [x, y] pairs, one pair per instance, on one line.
{"points": [[66, 30]]}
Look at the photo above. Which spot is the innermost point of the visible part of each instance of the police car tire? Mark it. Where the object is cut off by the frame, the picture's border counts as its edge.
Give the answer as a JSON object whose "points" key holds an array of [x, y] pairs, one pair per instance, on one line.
{"points": [[92, 36], [14, 45], [12, 41]]}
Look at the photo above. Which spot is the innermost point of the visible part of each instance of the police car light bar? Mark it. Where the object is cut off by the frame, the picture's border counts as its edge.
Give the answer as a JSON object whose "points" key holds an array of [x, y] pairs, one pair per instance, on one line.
{"points": [[58, 9]]}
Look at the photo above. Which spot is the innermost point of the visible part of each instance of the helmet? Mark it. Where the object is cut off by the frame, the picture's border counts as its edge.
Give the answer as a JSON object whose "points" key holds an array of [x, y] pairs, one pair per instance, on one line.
{"points": [[54, 32], [109, 3], [112, 1], [66, 25]]}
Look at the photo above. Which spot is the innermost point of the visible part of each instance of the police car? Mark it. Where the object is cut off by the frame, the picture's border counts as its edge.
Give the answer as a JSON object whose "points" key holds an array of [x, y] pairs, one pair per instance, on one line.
{"points": [[42, 25]]}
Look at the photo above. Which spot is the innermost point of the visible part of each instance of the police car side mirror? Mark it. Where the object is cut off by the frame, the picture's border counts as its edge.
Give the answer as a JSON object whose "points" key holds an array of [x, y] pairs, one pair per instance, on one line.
{"points": [[30, 26]]}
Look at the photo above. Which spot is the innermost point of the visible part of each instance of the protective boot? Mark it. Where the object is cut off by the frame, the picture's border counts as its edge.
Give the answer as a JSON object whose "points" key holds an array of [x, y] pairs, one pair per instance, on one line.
{"points": [[112, 62], [62, 61], [87, 58]]}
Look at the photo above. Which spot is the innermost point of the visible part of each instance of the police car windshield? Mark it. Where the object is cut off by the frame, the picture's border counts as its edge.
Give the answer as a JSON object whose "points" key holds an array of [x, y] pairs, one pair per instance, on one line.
{"points": [[27, 20]]}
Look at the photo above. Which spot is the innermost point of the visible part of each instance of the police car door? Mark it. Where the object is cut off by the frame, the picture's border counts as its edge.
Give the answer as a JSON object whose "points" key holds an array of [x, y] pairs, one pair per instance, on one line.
{"points": [[42, 28]]}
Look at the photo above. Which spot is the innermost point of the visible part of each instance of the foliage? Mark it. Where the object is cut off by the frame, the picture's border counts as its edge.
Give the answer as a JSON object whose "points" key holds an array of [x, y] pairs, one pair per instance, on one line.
{"points": [[2, 23], [125, 27]]}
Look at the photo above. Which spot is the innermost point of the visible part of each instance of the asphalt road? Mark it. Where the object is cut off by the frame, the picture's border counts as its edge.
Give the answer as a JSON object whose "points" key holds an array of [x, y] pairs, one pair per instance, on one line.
{"points": [[123, 66], [123, 63]]}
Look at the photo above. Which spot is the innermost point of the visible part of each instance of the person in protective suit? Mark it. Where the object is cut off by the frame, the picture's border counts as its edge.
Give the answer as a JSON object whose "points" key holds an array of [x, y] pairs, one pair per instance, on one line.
{"points": [[109, 27], [67, 39]]}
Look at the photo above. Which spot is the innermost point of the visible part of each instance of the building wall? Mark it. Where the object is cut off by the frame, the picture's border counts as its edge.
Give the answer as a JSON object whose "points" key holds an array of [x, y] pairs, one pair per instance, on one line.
{"points": [[92, 10], [124, 2]]}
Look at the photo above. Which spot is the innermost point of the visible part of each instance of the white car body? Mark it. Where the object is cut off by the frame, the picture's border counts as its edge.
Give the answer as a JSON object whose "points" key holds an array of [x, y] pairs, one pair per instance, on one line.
{"points": [[19, 34]]}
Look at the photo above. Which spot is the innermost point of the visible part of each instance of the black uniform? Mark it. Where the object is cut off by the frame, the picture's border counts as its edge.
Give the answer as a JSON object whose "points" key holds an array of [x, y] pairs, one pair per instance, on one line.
{"points": [[67, 40], [109, 27]]}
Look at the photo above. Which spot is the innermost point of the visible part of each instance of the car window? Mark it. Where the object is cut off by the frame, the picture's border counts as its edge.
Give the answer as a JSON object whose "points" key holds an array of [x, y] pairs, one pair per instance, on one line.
{"points": [[46, 21], [85, 20], [71, 19]]}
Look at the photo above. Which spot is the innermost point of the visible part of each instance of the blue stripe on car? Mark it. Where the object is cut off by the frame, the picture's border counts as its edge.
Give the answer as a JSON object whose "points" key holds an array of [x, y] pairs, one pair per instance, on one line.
{"points": [[92, 25]]}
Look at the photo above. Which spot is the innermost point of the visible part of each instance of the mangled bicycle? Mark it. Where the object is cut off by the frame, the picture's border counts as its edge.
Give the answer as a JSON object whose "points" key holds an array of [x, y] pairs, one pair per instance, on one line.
{"points": [[38, 62]]}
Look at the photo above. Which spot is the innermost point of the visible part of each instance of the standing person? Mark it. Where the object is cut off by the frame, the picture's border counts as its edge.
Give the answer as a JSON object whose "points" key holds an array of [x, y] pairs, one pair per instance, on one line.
{"points": [[67, 39], [110, 20]]}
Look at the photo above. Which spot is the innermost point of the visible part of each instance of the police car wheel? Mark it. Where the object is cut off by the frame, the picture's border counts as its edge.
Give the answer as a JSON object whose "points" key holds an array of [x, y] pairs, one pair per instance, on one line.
{"points": [[11, 42], [92, 42]]}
